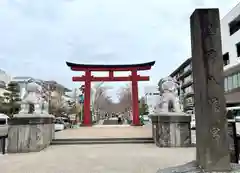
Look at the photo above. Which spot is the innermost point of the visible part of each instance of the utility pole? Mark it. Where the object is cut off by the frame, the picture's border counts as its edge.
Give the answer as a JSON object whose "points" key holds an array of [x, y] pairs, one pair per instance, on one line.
{"points": [[76, 102]]}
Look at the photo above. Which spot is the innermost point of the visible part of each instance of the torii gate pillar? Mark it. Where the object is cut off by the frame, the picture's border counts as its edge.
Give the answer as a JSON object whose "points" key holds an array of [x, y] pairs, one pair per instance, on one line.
{"points": [[87, 99], [135, 106]]}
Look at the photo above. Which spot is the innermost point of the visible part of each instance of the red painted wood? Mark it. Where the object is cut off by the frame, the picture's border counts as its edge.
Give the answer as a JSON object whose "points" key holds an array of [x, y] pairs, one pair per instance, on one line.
{"points": [[87, 98], [111, 75], [135, 106], [87, 78], [111, 68], [110, 79]]}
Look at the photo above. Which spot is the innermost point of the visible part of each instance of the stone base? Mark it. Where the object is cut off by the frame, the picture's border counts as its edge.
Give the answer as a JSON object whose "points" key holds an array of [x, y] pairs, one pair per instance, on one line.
{"points": [[136, 124], [83, 125], [192, 167], [171, 129], [30, 133]]}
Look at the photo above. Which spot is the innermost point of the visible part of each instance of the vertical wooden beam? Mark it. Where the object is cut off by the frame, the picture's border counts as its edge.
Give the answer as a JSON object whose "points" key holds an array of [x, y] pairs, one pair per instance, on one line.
{"points": [[111, 74], [135, 108], [87, 98]]}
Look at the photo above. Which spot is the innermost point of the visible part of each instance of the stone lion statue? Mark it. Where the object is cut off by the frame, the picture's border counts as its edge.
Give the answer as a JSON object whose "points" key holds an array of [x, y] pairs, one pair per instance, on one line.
{"points": [[169, 101], [34, 97]]}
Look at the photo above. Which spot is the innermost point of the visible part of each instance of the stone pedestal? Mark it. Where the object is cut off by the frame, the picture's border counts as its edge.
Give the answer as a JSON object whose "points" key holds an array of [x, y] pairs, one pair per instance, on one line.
{"points": [[30, 132], [171, 129]]}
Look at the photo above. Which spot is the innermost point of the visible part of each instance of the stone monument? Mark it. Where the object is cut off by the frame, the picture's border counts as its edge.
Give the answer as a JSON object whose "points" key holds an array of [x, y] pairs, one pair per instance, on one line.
{"points": [[212, 144], [170, 126], [32, 129]]}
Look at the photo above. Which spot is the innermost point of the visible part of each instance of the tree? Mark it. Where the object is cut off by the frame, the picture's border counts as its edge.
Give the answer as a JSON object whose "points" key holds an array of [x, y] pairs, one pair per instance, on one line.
{"points": [[143, 107], [10, 104]]}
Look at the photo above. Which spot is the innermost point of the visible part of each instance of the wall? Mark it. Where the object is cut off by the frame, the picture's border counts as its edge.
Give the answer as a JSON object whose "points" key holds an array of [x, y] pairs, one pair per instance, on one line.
{"points": [[228, 42]]}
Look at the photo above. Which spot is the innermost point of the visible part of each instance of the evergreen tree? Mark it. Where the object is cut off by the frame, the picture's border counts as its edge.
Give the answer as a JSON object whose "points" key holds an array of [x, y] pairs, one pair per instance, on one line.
{"points": [[143, 107], [11, 104]]}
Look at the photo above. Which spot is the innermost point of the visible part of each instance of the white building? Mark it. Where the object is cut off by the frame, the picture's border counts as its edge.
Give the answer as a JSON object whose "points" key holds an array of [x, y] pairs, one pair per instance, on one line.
{"points": [[151, 97], [4, 80], [230, 31]]}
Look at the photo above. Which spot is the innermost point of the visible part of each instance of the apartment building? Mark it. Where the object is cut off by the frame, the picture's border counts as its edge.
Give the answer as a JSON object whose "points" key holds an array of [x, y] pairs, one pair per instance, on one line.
{"points": [[231, 55], [183, 74], [230, 31]]}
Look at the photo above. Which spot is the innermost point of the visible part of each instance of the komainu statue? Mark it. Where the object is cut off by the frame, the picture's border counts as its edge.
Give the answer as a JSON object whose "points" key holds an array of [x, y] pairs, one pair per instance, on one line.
{"points": [[34, 100], [169, 101]]}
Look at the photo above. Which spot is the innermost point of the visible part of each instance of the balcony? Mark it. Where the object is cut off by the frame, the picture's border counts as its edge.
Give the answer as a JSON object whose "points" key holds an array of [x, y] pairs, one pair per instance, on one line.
{"points": [[185, 74], [187, 84], [188, 94], [188, 106]]}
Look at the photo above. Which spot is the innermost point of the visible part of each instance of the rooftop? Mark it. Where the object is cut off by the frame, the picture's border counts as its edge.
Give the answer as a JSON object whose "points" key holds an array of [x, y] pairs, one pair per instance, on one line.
{"points": [[99, 67], [183, 65]]}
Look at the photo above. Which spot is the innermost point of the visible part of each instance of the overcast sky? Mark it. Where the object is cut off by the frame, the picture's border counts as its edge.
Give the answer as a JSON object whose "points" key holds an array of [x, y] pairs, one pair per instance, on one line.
{"points": [[38, 36]]}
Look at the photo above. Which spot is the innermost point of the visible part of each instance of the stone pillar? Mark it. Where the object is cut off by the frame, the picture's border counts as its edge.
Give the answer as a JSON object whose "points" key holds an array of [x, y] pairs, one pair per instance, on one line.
{"points": [[30, 133], [171, 129], [210, 107]]}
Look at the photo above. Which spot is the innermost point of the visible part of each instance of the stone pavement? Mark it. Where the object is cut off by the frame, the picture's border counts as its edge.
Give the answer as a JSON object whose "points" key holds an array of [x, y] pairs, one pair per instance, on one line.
{"points": [[111, 158], [106, 131]]}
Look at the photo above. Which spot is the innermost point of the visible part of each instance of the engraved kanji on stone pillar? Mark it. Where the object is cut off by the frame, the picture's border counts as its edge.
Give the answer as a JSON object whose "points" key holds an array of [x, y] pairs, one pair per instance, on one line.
{"points": [[210, 106]]}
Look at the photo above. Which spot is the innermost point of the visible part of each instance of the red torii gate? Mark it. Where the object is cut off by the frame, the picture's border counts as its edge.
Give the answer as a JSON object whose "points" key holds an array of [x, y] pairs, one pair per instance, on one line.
{"points": [[88, 78]]}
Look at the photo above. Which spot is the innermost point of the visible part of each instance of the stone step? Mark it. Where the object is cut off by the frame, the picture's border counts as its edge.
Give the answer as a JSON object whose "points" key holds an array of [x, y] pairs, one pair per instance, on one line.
{"points": [[110, 122], [75, 141]]}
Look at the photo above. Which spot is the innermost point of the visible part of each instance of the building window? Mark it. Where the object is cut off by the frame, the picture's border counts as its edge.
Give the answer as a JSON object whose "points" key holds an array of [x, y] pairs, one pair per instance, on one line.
{"points": [[238, 49], [188, 89], [230, 83], [226, 84], [189, 100], [187, 68], [238, 78], [234, 26], [226, 59], [188, 78], [235, 81]]}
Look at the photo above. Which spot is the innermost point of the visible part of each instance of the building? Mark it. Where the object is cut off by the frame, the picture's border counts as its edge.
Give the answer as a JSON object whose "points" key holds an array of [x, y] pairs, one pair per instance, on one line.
{"points": [[230, 31], [183, 74], [151, 95], [231, 54], [232, 85], [4, 80]]}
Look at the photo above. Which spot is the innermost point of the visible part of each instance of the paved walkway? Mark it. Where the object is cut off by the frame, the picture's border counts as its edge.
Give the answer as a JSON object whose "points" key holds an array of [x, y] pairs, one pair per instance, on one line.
{"points": [[116, 158], [108, 158], [106, 131]]}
